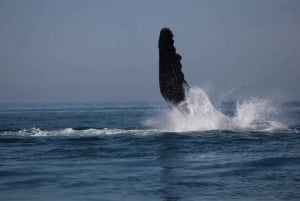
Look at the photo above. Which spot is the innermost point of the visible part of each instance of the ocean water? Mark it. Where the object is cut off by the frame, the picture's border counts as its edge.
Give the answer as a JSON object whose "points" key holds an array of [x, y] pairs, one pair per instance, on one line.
{"points": [[248, 150]]}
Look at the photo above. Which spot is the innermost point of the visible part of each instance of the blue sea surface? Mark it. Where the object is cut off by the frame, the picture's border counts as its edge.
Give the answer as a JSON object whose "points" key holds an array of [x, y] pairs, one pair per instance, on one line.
{"points": [[108, 152]]}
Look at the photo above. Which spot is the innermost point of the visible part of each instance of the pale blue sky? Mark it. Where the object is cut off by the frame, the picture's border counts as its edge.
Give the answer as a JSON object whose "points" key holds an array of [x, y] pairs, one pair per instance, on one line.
{"points": [[82, 51]]}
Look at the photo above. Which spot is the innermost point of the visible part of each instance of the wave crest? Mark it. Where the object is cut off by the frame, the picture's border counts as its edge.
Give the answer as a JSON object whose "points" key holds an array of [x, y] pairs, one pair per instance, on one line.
{"points": [[74, 132]]}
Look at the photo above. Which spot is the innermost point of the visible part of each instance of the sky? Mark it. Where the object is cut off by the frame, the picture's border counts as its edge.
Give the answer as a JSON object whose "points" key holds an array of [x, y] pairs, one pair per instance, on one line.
{"points": [[95, 51]]}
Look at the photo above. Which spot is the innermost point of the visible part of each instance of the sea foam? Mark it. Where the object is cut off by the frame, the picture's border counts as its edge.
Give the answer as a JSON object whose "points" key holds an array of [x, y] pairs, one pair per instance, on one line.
{"points": [[37, 132], [197, 113]]}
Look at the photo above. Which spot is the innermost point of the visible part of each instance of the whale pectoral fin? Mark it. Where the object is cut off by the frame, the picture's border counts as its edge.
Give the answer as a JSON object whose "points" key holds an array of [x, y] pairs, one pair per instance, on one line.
{"points": [[171, 78]]}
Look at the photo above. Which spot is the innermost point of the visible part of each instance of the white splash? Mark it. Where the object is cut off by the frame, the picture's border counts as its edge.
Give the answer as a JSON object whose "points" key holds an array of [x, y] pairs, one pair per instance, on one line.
{"points": [[197, 113], [256, 115]]}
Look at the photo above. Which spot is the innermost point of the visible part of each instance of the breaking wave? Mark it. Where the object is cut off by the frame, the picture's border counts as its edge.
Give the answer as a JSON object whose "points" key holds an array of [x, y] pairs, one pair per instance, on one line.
{"points": [[75, 132], [197, 113]]}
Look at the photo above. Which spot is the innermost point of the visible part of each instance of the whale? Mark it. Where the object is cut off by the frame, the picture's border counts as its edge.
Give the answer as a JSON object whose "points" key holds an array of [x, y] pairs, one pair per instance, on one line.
{"points": [[173, 86]]}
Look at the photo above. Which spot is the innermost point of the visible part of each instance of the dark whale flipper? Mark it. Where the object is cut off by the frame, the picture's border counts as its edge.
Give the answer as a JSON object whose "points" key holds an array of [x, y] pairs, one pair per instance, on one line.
{"points": [[171, 79]]}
